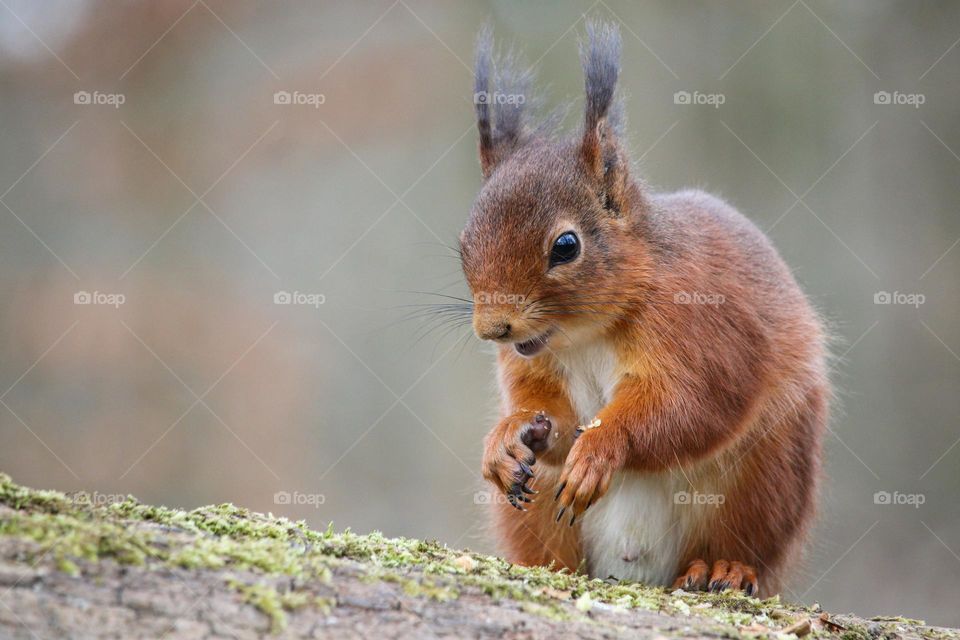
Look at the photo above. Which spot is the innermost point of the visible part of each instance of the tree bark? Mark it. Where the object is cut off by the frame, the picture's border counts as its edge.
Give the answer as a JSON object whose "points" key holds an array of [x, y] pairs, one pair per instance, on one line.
{"points": [[70, 569]]}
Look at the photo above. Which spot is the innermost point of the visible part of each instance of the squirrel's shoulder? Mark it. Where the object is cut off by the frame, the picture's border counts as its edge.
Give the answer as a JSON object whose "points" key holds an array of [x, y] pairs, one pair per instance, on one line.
{"points": [[688, 205], [692, 224], [696, 213]]}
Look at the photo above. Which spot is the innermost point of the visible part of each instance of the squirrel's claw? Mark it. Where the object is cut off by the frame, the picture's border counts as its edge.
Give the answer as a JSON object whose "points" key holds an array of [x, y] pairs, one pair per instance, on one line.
{"points": [[581, 485], [723, 576], [515, 494], [514, 500], [526, 469], [515, 497]]}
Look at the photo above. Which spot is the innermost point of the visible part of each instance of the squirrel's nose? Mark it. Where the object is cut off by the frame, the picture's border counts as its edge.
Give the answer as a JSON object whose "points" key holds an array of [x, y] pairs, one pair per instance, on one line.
{"points": [[496, 330]]}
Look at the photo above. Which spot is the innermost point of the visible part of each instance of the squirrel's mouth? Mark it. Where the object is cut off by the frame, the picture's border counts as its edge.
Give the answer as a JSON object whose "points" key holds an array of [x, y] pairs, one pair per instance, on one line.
{"points": [[533, 346]]}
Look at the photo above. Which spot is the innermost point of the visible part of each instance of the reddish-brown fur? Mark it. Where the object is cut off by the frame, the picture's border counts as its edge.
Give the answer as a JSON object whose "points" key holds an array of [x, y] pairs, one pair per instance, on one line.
{"points": [[731, 393]]}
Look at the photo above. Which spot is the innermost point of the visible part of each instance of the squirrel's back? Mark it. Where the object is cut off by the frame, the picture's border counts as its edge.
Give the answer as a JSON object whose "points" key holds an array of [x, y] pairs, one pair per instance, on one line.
{"points": [[710, 247]]}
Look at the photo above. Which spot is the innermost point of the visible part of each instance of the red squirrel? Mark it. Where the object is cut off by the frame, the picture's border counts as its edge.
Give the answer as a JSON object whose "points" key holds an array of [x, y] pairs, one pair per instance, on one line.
{"points": [[663, 378]]}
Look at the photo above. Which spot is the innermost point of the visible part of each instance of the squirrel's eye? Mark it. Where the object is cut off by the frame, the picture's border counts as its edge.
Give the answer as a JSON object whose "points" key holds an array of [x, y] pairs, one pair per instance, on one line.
{"points": [[565, 249]]}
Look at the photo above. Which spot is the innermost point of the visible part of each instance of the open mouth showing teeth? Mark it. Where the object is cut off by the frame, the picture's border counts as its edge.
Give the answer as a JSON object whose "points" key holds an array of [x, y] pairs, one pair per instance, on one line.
{"points": [[533, 346]]}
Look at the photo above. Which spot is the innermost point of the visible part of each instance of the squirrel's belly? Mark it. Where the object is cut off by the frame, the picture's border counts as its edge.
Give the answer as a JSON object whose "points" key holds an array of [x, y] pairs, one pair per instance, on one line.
{"points": [[633, 532]]}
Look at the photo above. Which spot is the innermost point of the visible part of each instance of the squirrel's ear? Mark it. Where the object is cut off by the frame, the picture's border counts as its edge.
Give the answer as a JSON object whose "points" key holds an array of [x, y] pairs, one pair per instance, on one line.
{"points": [[500, 94], [601, 151]]}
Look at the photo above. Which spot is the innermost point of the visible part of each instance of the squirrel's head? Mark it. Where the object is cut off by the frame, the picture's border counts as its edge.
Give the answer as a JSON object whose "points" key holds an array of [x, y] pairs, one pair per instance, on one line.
{"points": [[547, 250]]}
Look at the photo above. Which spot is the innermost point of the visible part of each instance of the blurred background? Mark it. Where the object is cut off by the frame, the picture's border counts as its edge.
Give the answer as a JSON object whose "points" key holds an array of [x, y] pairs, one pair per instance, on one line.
{"points": [[215, 213]]}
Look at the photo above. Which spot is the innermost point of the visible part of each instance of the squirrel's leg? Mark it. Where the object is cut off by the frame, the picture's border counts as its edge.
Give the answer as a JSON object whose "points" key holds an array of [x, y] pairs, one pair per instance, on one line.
{"points": [[651, 424], [532, 537], [523, 454], [522, 516], [768, 481], [601, 449]]}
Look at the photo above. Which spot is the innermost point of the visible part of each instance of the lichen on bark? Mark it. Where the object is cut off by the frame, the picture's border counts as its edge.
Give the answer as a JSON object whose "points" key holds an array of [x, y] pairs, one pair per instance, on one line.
{"points": [[224, 570]]}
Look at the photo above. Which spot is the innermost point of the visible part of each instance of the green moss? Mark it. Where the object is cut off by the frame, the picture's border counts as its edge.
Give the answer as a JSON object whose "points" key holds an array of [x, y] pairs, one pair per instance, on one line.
{"points": [[548, 611], [431, 590], [74, 530], [855, 633], [275, 604], [899, 619], [937, 634]]}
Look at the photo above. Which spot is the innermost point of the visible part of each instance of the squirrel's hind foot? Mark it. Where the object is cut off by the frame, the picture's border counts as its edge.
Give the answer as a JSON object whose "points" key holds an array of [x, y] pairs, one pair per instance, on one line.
{"points": [[725, 575]]}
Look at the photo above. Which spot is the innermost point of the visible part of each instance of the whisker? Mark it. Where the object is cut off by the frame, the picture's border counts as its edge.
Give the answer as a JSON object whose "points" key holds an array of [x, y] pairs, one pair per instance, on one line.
{"points": [[441, 295]]}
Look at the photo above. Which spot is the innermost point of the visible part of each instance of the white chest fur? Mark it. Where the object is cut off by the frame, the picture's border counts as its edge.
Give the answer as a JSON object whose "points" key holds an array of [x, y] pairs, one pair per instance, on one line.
{"points": [[635, 531], [590, 373]]}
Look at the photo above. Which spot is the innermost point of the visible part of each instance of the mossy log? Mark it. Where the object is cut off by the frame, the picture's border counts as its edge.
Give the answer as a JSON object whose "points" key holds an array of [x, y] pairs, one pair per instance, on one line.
{"points": [[71, 568]]}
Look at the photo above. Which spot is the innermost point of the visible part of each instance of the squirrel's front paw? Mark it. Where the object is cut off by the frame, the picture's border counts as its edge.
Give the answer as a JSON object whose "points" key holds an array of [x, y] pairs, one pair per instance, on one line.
{"points": [[587, 472], [509, 454]]}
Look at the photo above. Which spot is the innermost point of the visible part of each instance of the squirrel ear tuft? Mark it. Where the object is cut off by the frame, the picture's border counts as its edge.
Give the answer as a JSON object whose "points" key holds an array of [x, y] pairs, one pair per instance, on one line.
{"points": [[483, 64], [600, 56], [501, 91]]}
